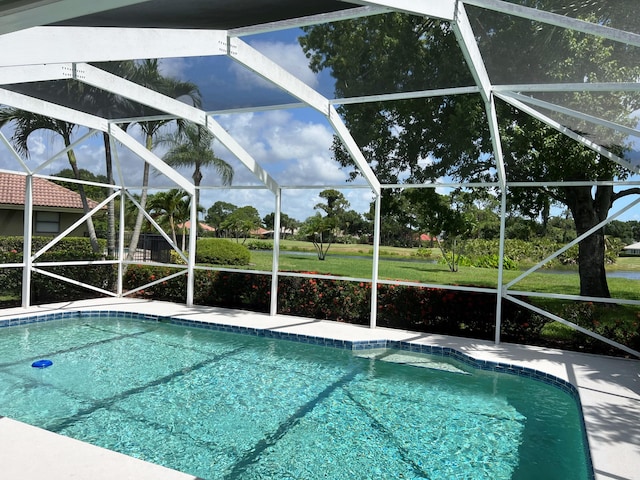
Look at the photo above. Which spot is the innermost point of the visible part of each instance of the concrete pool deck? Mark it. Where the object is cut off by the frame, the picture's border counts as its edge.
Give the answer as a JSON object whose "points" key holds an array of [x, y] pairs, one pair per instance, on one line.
{"points": [[609, 390]]}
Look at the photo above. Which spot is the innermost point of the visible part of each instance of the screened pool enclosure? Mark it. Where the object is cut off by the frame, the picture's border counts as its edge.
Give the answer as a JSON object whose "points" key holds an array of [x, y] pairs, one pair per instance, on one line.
{"points": [[506, 59]]}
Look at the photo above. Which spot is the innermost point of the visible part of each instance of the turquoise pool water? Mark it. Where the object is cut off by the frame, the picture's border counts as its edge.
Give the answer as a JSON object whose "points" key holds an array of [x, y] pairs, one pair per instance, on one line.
{"points": [[230, 406]]}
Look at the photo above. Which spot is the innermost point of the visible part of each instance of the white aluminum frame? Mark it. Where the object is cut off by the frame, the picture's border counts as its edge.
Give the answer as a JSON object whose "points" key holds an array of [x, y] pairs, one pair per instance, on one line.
{"points": [[62, 52]]}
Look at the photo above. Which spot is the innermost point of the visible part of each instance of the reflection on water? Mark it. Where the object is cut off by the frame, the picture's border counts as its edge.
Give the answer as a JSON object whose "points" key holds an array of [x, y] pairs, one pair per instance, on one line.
{"points": [[628, 274]]}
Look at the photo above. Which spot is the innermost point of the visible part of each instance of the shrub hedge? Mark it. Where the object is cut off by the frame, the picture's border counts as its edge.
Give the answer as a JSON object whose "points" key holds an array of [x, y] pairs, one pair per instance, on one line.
{"points": [[219, 251], [421, 309], [45, 289]]}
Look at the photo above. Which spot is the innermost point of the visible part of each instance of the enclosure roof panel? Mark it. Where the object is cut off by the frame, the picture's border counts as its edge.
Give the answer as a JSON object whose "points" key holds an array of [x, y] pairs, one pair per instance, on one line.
{"points": [[205, 14]]}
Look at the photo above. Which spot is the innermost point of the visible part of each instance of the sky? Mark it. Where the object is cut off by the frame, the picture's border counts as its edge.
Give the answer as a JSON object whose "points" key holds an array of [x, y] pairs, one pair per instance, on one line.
{"points": [[293, 145]]}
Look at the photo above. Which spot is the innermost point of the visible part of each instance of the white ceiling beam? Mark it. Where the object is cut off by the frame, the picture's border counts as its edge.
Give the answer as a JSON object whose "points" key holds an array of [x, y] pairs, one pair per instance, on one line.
{"points": [[244, 54], [114, 84], [569, 133], [468, 45], [352, 147], [26, 14], [80, 44], [558, 20], [573, 113], [444, 9], [234, 147], [467, 42], [52, 110], [570, 87], [271, 71], [33, 73], [148, 156]]}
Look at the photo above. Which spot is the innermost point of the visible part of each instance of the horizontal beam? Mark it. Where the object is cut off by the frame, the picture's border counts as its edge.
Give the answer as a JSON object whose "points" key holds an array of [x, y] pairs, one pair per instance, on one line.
{"points": [[33, 73], [52, 110], [81, 44]]}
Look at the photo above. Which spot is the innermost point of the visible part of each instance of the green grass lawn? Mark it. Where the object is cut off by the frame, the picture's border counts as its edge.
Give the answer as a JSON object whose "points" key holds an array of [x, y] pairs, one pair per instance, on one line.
{"points": [[397, 268], [402, 264]]}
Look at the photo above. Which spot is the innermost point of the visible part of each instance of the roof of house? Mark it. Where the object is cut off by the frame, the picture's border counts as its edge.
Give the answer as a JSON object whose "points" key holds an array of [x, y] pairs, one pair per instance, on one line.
{"points": [[204, 226], [45, 193], [633, 246]]}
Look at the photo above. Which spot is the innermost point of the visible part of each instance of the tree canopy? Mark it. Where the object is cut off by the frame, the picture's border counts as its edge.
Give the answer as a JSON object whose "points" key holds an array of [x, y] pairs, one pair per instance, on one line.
{"points": [[422, 140]]}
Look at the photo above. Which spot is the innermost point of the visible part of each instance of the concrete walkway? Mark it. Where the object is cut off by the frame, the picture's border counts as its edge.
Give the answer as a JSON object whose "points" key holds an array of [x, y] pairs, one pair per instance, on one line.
{"points": [[609, 390]]}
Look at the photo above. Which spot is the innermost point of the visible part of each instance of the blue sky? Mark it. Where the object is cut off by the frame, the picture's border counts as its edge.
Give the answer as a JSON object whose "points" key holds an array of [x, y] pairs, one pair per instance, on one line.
{"points": [[292, 145]]}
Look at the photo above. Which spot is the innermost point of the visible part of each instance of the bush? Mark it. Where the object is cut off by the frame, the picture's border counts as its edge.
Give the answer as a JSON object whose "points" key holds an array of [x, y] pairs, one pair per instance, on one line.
{"points": [[44, 288], [421, 309], [423, 253], [603, 320], [219, 251], [259, 245]]}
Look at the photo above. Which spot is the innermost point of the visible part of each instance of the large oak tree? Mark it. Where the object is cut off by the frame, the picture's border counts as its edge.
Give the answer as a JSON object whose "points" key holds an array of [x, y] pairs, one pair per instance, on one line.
{"points": [[423, 139]]}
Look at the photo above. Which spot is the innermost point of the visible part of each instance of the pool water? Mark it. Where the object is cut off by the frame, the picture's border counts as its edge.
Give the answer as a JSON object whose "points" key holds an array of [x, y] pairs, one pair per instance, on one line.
{"points": [[229, 406]]}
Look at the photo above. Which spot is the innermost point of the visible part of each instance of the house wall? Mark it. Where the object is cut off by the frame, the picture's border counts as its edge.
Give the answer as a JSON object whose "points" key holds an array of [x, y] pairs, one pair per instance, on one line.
{"points": [[12, 221]]}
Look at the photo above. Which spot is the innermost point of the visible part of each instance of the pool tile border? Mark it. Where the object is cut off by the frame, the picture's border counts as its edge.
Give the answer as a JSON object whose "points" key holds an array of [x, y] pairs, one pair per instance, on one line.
{"points": [[446, 352]]}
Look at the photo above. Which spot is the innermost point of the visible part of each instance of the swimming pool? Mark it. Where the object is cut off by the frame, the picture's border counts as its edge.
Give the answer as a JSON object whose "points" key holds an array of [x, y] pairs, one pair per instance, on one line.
{"points": [[223, 405]]}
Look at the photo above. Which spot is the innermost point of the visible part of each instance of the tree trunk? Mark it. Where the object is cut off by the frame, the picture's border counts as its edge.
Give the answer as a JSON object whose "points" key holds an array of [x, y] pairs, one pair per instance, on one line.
{"points": [[143, 205], [195, 224], [95, 246], [111, 209], [588, 212]]}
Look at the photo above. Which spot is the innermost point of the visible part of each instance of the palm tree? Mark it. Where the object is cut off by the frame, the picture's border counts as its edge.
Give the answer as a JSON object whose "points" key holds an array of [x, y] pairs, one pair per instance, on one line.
{"points": [[109, 105], [167, 208], [147, 73], [27, 123], [172, 209], [190, 146]]}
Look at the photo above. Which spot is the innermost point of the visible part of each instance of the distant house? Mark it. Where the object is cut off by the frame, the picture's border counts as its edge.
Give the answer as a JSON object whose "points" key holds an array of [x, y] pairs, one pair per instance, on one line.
{"points": [[632, 250], [203, 226], [55, 208]]}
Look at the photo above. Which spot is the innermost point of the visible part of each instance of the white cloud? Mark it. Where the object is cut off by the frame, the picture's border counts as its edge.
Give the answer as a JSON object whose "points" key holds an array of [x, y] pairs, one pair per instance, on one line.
{"points": [[174, 67], [288, 55], [294, 152]]}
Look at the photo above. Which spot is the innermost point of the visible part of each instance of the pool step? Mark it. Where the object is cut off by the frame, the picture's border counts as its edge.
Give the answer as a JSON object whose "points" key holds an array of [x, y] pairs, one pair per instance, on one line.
{"points": [[413, 359]]}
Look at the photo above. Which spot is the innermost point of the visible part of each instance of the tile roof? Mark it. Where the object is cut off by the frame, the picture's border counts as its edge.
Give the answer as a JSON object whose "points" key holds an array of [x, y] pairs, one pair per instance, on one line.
{"points": [[204, 226], [45, 193]]}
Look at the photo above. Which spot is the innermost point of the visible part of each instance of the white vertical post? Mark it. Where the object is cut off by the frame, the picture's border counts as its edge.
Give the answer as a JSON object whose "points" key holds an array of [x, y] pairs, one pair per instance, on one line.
{"points": [[273, 310], [122, 214], [193, 233], [121, 231], [499, 287], [27, 241], [376, 261]]}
